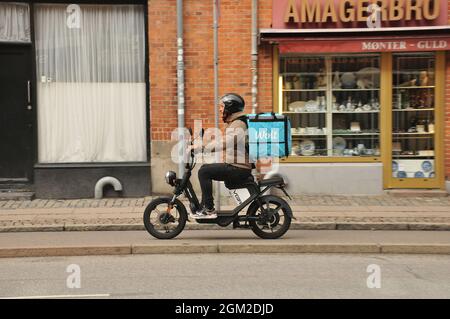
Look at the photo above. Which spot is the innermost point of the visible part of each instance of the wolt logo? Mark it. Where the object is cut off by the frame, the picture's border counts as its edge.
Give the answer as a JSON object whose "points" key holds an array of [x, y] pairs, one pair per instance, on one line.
{"points": [[74, 279], [264, 135], [74, 16]]}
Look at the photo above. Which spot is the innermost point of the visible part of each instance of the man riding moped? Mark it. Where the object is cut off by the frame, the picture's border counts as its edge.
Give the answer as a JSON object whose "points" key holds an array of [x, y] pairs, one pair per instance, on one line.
{"points": [[235, 167], [268, 216]]}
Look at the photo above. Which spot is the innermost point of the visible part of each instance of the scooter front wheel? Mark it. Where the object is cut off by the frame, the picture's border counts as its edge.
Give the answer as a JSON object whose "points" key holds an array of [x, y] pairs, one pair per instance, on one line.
{"points": [[164, 221]]}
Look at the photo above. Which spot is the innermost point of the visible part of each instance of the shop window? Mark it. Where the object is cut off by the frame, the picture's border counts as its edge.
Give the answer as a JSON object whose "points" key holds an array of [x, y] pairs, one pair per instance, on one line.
{"points": [[91, 83], [14, 22], [333, 103], [413, 116]]}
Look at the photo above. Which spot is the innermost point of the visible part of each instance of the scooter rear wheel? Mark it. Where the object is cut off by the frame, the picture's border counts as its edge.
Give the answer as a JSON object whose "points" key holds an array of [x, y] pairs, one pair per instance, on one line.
{"points": [[274, 217], [163, 222]]}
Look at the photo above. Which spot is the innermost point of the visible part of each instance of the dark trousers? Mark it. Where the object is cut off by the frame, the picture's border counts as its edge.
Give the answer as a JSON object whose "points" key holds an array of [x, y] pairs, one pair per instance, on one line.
{"points": [[218, 172]]}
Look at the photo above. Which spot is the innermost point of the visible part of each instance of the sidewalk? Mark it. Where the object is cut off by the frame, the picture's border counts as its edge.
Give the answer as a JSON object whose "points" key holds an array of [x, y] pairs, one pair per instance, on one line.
{"points": [[226, 241], [312, 212]]}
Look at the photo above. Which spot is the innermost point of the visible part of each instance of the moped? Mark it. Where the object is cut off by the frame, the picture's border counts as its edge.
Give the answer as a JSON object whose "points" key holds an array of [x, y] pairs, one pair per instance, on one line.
{"points": [[268, 216]]}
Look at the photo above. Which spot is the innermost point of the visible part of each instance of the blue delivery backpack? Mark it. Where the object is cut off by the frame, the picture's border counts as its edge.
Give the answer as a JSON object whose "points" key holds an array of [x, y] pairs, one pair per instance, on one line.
{"points": [[269, 136]]}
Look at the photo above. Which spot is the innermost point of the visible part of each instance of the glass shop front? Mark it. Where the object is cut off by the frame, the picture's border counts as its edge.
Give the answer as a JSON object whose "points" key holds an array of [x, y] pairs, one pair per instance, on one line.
{"points": [[343, 108], [366, 105]]}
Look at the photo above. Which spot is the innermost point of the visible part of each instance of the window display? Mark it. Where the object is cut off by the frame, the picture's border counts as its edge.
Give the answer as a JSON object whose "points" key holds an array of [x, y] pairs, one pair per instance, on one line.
{"points": [[413, 133], [333, 103]]}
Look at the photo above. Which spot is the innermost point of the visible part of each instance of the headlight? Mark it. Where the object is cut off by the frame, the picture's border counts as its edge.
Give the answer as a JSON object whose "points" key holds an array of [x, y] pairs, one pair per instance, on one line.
{"points": [[171, 177]]}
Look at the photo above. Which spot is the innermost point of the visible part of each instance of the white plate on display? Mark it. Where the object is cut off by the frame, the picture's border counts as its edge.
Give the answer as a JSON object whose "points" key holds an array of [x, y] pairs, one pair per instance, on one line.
{"points": [[427, 166], [312, 106], [348, 80], [339, 143], [307, 148], [370, 77], [296, 106]]}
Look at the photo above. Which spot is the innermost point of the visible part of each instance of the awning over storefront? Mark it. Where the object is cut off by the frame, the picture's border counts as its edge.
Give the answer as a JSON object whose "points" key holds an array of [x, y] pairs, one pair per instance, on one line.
{"points": [[359, 40]]}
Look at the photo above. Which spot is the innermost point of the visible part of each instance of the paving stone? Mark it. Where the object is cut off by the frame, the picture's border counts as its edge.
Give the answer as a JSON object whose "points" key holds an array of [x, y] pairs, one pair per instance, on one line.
{"points": [[344, 209], [9, 204]]}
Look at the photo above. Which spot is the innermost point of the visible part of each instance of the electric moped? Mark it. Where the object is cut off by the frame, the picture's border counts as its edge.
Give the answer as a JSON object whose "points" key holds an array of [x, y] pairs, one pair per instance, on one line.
{"points": [[268, 216]]}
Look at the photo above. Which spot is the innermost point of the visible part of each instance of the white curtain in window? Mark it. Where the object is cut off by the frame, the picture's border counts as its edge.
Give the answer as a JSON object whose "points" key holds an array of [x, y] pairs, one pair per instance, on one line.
{"points": [[91, 83], [14, 22]]}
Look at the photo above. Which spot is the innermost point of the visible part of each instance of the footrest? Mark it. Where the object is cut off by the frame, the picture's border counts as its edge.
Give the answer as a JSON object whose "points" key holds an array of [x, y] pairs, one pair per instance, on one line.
{"points": [[225, 213]]}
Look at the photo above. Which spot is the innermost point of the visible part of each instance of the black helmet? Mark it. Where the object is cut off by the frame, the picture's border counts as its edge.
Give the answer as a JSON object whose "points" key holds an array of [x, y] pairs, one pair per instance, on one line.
{"points": [[232, 103]]}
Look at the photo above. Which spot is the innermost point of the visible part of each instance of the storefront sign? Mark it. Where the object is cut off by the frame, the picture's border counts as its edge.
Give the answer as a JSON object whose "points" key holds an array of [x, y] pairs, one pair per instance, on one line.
{"points": [[358, 13], [372, 45]]}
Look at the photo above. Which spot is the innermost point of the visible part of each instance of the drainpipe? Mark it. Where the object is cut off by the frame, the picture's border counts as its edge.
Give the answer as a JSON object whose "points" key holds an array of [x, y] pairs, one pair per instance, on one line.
{"points": [[216, 86], [107, 180], [254, 56], [180, 78]]}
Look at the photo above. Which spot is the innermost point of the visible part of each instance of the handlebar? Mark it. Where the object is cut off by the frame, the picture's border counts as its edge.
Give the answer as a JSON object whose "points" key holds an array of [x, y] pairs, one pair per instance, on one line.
{"points": [[191, 164]]}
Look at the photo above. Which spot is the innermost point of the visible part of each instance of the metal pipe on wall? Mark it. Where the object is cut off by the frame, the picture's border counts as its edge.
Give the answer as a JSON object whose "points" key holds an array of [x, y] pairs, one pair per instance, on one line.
{"points": [[216, 86], [254, 54], [180, 78]]}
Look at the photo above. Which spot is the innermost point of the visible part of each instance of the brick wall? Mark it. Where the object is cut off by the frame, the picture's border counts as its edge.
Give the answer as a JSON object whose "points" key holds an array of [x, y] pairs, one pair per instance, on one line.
{"points": [[265, 59], [234, 60], [162, 61], [234, 64]]}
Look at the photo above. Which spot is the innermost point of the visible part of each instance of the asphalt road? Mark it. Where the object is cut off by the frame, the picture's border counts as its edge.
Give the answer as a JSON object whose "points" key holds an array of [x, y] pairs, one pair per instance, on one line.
{"points": [[228, 276]]}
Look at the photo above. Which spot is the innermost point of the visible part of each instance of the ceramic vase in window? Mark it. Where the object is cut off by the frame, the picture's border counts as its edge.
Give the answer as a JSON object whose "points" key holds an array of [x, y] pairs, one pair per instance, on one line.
{"points": [[287, 84], [296, 83], [337, 81], [423, 78], [431, 127]]}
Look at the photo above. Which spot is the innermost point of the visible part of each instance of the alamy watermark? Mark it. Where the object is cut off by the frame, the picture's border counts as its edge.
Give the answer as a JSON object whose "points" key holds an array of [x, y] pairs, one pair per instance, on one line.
{"points": [[73, 281], [73, 16], [374, 19], [374, 279]]}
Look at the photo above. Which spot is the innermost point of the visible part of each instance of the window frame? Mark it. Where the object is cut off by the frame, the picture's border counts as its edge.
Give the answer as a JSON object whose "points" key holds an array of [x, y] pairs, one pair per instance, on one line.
{"points": [[35, 79], [278, 108]]}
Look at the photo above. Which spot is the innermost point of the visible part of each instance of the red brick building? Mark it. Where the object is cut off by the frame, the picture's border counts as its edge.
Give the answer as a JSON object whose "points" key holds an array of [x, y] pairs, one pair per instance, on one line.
{"points": [[392, 133], [88, 91]]}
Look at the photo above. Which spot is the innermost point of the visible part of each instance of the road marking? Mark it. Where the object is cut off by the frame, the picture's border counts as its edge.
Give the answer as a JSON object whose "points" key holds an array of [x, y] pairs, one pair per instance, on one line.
{"points": [[58, 296]]}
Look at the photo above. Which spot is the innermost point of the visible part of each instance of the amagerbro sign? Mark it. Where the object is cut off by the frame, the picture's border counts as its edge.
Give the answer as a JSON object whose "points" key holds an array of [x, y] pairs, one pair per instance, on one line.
{"points": [[355, 13]]}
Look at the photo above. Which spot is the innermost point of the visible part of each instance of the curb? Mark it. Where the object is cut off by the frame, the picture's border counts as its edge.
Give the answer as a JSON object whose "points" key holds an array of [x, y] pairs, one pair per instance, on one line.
{"points": [[300, 248], [175, 249], [147, 249], [103, 227], [193, 226], [64, 251], [374, 226], [443, 249], [31, 228]]}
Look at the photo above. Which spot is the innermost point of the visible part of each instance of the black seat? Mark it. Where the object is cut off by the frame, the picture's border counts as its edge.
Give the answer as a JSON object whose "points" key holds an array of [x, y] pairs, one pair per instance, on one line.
{"points": [[250, 181], [271, 181]]}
